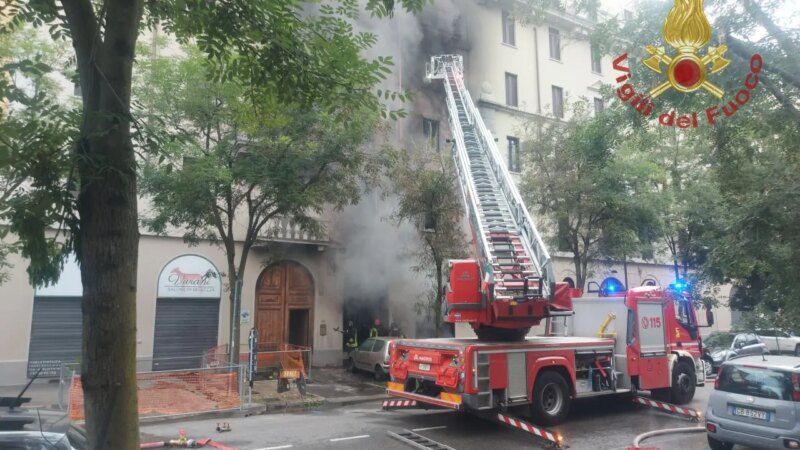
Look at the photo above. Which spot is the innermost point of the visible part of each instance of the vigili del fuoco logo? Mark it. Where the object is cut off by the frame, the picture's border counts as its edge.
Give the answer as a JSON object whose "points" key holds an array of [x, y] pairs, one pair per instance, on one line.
{"points": [[687, 68]]}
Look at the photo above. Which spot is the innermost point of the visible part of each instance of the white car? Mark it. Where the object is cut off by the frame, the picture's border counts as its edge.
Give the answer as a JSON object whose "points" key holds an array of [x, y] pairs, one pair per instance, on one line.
{"points": [[778, 341]]}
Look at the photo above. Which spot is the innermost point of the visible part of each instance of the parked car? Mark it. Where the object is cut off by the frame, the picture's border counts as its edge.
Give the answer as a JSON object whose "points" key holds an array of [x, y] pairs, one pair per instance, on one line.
{"points": [[728, 345], [34, 440], [372, 356], [779, 341], [756, 403]]}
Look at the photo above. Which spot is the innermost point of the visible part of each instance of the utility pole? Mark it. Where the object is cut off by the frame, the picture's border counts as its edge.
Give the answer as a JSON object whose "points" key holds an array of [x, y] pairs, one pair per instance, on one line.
{"points": [[235, 317]]}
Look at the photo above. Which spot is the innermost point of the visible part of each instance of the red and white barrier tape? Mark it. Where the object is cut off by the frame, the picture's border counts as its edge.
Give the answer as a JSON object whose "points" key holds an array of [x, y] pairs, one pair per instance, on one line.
{"points": [[691, 413], [536, 431], [399, 403]]}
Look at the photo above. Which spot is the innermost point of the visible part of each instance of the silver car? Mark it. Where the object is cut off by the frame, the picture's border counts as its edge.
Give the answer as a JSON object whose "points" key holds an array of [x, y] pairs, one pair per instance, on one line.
{"points": [[372, 356], [743, 344], [756, 403]]}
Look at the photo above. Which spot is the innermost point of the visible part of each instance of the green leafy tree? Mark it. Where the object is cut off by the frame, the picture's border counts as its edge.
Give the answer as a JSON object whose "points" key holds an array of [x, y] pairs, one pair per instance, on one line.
{"points": [[730, 194], [35, 139], [578, 174], [424, 182], [306, 52], [240, 164]]}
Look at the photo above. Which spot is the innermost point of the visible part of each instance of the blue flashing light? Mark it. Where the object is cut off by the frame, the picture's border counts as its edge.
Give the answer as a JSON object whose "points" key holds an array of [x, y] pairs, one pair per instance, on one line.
{"points": [[679, 286]]}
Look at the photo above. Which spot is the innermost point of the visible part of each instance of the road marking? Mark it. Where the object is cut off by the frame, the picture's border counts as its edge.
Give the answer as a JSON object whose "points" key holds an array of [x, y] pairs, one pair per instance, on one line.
{"points": [[349, 438], [429, 428], [276, 448]]}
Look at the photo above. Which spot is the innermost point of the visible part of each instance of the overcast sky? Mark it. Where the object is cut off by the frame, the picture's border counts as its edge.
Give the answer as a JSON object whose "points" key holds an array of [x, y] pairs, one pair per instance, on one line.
{"points": [[789, 17]]}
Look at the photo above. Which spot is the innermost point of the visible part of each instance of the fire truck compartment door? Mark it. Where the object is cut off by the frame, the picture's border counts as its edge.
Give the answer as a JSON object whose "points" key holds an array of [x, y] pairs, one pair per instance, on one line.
{"points": [[652, 340], [517, 376]]}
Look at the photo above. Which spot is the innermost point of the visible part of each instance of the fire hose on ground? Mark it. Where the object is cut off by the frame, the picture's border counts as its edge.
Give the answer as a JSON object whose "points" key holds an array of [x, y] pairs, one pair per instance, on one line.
{"points": [[655, 433]]}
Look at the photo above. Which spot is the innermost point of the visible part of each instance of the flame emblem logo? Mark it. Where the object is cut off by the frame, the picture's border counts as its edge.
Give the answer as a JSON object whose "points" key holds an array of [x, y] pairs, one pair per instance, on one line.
{"points": [[687, 30]]}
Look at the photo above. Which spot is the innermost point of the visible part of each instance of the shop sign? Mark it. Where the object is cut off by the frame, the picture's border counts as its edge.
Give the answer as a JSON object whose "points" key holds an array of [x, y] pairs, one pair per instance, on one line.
{"points": [[189, 276]]}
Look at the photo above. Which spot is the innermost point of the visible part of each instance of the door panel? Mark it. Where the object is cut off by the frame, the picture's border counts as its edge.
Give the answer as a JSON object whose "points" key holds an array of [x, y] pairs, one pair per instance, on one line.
{"points": [[651, 329], [284, 305]]}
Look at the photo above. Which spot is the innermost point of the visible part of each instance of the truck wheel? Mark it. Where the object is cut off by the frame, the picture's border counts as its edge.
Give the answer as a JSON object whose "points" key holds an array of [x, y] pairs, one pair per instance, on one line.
{"points": [[501, 334], [718, 445], [684, 381], [551, 399]]}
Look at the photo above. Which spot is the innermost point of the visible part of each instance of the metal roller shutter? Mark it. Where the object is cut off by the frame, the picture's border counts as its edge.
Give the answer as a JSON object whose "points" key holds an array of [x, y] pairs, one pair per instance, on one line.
{"points": [[56, 331], [185, 328]]}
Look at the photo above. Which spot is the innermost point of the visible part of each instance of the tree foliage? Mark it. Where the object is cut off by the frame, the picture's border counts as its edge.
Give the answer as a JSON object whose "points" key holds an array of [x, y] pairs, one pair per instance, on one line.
{"points": [[240, 166], [730, 195], [424, 182], [305, 53], [579, 174]]}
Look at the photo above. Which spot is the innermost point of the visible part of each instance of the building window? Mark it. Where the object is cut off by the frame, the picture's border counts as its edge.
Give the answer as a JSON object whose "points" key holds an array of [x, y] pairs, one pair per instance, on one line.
{"points": [[511, 90], [555, 44], [513, 154], [597, 59], [558, 102], [599, 105], [430, 129], [509, 32], [649, 282]]}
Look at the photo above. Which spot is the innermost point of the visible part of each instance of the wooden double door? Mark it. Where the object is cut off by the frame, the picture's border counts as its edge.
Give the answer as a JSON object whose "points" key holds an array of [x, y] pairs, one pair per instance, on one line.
{"points": [[285, 305]]}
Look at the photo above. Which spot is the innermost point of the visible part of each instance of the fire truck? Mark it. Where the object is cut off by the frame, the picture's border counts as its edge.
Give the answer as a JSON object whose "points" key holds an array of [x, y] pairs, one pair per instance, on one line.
{"points": [[645, 338]]}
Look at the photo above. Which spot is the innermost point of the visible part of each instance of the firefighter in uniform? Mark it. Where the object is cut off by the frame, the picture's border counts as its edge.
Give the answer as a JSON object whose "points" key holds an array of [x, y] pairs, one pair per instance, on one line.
{"points": [[375, 330]]}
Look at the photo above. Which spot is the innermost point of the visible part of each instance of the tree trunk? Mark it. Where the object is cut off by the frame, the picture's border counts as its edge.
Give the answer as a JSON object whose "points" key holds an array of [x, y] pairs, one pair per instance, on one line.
{"points": [[580, 276], [108, 237]]}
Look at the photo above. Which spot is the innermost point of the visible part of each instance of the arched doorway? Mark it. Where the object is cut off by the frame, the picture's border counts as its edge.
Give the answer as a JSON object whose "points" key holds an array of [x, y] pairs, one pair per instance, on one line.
{"points": [[285, 304]]}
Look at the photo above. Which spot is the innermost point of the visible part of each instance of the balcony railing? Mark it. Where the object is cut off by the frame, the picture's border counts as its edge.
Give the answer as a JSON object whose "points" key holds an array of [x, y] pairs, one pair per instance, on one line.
{"points": [[285, 230]]}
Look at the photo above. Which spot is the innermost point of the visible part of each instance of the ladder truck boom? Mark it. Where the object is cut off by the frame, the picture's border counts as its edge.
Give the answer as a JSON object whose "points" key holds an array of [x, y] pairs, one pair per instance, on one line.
{"points": [[645, 338], [514, 269]]}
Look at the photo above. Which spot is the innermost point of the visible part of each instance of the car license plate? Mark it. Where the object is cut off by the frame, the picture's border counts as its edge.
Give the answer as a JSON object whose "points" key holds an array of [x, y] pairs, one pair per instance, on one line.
{"points": [[425, 367], [751, 413]]}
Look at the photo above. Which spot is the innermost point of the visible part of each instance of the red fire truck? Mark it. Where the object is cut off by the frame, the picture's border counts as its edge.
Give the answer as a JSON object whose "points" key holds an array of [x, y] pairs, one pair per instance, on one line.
{"points": [[644, 339]]}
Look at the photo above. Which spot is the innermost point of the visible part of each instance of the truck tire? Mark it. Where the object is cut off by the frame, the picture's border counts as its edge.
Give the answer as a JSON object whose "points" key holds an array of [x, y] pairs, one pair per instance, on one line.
{"points": [[551, 399], [684, 382], [501, 334], [718, 445]]}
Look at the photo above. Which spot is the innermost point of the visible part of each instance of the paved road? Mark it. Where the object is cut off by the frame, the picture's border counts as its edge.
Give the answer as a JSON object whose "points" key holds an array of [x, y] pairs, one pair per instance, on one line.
{"points": [[605, 423]]}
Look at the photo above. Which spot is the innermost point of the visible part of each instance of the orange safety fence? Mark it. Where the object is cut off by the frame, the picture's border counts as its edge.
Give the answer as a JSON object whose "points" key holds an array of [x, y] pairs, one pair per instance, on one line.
{"points": [[175, 392]]}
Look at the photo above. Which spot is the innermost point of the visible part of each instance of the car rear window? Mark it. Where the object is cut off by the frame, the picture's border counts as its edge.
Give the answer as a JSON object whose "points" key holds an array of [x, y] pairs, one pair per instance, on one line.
{"points": [[756, 382]]}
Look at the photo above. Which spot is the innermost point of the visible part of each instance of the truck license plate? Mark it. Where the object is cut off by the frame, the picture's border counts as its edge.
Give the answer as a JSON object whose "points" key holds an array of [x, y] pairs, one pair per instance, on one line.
{"points": [[751, 413], [425, 367]]}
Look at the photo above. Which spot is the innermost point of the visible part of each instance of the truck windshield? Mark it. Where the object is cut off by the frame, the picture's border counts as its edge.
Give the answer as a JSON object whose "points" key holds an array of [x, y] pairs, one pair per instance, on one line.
{"points": [[756, 381]]}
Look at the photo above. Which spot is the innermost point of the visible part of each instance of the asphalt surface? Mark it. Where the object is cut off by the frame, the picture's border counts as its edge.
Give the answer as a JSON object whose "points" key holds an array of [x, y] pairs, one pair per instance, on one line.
{"points": [[603, 423]]}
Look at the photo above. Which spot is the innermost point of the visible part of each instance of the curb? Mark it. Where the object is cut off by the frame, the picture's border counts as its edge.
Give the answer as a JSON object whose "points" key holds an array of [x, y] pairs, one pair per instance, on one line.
{"points": [[272, 408]]}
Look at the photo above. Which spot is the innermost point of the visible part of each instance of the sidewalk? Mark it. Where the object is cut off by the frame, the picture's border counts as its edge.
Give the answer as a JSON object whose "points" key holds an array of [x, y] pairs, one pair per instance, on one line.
{"points": [[326, 386]]}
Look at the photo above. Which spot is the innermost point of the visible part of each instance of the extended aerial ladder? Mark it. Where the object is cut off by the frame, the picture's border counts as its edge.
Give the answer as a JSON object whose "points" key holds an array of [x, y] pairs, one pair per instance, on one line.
{"points": [[518, 286]]}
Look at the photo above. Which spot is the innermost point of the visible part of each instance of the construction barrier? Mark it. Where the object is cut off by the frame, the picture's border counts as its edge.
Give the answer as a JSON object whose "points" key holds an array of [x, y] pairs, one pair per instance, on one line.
{"points": [[176, 392], [687, 412], [399, 404], [556, 439]]}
